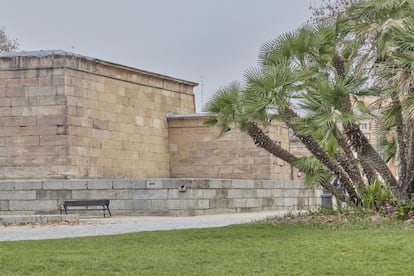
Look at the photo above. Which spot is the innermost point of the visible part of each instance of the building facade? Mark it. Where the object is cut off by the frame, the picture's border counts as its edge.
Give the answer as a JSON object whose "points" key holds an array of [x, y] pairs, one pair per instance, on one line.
{"points": [[64, 115]]}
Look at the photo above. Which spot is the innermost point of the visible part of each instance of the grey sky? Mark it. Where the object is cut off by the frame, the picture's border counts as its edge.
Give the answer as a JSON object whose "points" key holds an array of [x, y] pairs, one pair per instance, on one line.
{"points": [[187, 39]]}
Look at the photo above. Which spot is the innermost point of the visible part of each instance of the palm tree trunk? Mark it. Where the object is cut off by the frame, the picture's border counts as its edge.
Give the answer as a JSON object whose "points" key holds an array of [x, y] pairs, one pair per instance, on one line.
{"points": [[348, 162], [262, 140], [331, 164], [366, 151], [402, 148], [358, 139], [369, 171], [322, 156]]}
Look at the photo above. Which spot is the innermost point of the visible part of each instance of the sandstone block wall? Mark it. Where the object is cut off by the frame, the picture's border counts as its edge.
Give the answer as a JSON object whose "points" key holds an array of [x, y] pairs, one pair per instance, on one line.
{"points": [[32, 121], [197, 151], [68, 116], [175, 197]]}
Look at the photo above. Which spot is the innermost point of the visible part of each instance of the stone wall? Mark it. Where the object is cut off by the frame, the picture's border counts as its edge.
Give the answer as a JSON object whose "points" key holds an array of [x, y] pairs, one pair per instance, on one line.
{"points": [[68, 116], [196, 150], [32, 120], [156, 196]]}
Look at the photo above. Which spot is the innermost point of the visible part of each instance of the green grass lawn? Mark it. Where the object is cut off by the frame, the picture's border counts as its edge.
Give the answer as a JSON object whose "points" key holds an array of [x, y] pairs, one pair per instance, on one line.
{"points": [[261, 249]]}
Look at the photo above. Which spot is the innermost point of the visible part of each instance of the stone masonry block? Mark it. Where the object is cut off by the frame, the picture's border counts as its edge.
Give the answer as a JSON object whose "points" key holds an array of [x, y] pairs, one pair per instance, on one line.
{"points": [[297, 184], [200, 184], [141, 204], [222, 193], [264, 193], [203, 204], [123, 194], [121, 204], [7, 185], [18, 195], [25, 220], [100, 185], [216, 183], [190, 193], [53, 194], [4, 205], [153, 184], [278, 201], [157, 204], [173, 194], [219, 203], [9, 220], [251, 193], [277, 193], [120, 184], [269, 184], [258, 184], [53, 184], [238, 203], [33, 205], [305, 192], [236, 193], [28, 185], [289, 201], [243, 184], [93, 194], [253, 202], [169, 183], [150, 194], [173, 204], [209, 193], [139, 184], [75, 184]]}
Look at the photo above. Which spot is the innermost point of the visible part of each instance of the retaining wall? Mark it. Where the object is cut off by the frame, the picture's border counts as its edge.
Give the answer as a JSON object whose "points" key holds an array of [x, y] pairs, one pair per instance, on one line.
{"points": [[198, 151], [174, 197]]}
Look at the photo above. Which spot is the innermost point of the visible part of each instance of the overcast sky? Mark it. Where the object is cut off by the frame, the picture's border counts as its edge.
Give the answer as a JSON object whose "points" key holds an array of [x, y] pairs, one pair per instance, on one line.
{"points": [[216, 40]]}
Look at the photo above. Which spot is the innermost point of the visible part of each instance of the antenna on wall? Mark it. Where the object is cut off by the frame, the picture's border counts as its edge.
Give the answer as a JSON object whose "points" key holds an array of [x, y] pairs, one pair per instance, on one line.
{"points": [[201, 93]]}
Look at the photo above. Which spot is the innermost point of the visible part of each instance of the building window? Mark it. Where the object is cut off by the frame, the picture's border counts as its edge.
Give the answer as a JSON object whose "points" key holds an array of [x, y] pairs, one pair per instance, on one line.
{"points": [[364, 126]]}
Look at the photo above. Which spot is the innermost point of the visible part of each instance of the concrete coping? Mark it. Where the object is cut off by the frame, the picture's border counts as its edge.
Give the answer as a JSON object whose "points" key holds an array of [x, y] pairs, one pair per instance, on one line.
{"points": [[171, 115], [7, 220]]}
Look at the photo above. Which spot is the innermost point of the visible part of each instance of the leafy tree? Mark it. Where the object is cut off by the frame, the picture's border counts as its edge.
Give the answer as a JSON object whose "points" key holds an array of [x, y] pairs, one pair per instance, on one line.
{"points": [[329, 10], [316, 80], [7, 44]]}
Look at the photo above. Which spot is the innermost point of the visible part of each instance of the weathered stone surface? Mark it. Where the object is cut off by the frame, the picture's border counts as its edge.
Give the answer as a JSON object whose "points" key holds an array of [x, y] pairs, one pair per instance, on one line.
{"points": [[53, 194], [27, 185], [99, 184], [20, 195], [53, 185], [195, 199], [150, 194], [75, 184], [195, 151], [104, 113], [4, 205], [33, 205], [153, 184]]}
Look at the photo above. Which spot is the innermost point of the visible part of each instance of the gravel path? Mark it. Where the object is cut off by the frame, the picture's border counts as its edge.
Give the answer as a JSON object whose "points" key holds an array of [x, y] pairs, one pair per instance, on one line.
{"points": [[121, 225]]}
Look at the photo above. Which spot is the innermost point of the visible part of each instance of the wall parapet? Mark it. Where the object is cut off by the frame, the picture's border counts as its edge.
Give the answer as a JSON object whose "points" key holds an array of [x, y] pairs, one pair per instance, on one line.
{"points": [[159, 196]]}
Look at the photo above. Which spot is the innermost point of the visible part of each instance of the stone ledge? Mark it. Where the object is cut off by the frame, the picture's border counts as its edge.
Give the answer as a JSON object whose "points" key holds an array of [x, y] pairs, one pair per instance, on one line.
{"points": [[37, 219]]}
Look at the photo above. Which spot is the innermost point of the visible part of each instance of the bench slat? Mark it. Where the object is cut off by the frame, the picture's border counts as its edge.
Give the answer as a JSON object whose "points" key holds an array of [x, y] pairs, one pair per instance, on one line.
{"points": [[89, 202], [94, 202]]}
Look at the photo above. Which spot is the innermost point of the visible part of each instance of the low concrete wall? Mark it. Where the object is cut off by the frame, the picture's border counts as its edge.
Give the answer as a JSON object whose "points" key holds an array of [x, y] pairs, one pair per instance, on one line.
{"points": [[174, 197]]}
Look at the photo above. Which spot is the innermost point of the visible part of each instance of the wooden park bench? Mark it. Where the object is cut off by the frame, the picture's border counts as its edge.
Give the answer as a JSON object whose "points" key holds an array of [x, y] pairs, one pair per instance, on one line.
{"points": [[104, 203]]}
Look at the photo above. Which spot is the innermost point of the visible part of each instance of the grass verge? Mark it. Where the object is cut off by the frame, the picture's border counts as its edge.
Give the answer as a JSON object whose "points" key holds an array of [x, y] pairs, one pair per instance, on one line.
{"points": [[250, 249]]}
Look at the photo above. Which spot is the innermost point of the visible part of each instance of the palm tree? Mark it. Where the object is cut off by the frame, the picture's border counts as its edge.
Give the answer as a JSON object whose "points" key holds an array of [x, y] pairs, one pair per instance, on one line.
{"points": [[290, 65], [227, 107], [312, 80], [388, 27]]}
